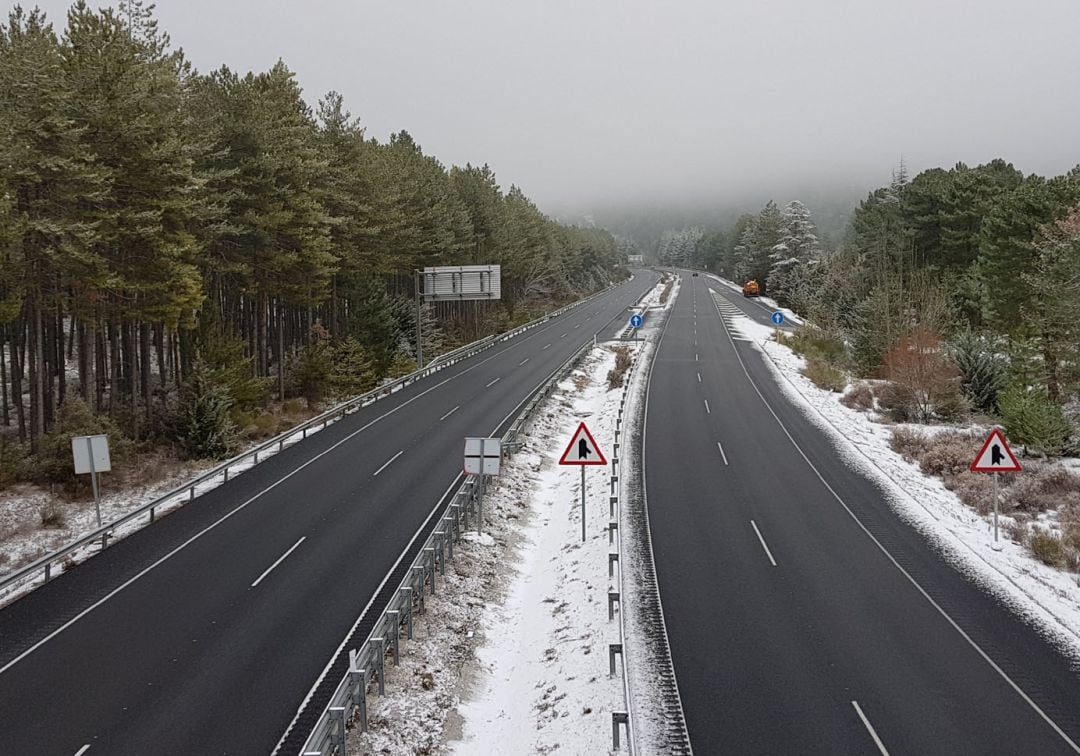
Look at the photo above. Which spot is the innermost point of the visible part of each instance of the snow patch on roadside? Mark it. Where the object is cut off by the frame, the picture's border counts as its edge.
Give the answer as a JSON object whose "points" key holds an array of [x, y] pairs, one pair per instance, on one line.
{"points": [[1048, 597]]}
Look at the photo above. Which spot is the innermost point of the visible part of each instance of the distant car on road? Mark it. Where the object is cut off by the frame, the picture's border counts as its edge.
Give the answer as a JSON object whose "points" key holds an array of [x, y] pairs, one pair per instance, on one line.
{"points": [[695, 274]]}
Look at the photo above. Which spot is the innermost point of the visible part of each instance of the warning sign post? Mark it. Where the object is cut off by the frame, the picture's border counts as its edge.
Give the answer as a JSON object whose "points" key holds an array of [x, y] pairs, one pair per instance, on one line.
{"points": [[995, 457], [584, 452]]}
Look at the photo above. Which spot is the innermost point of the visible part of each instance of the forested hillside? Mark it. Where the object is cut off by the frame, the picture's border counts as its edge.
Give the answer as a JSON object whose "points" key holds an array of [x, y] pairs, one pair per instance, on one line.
{"points": [[178, 249], [960, 286]]}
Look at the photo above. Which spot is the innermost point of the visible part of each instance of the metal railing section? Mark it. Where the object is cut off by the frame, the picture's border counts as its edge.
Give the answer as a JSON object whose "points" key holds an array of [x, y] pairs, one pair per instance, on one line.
{"points": [[43, 568], [367, 663]]}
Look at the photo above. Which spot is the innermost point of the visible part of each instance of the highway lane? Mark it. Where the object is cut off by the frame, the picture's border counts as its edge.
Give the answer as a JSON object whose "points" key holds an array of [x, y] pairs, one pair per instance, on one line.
{"points": [[207, 630], [793, 629]]}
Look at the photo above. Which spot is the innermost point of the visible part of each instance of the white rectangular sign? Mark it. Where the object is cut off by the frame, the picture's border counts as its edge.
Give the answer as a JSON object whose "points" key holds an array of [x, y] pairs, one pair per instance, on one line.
{"points": [[483, 455], [85, 447]]}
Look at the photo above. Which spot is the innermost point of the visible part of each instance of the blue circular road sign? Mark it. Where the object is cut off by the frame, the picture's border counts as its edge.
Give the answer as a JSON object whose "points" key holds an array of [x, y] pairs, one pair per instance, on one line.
{"points": [[778, 318], [635, 321]]}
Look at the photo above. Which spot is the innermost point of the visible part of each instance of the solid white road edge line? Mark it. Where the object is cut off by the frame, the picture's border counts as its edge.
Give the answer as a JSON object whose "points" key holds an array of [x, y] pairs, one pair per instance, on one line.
{"points": [[280, 559], [232, 512], [721, 448], [763, 544], [922, 591], [448, 414], [386, 464], [870, 729]]}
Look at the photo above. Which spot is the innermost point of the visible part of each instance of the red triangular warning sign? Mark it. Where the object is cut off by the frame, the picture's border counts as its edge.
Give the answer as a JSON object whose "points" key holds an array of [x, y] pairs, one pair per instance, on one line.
{"points": [[995, 456], [582, 449]]}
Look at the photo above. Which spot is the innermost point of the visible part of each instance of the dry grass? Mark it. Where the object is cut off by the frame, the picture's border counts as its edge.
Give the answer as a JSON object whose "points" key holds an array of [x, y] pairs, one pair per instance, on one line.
{"points": [[616, 375], [824, 376], [53, 516]]}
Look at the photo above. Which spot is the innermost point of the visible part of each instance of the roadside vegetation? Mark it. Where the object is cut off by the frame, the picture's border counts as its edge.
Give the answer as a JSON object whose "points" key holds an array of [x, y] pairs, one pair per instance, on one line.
{"points": [[192, 261]]}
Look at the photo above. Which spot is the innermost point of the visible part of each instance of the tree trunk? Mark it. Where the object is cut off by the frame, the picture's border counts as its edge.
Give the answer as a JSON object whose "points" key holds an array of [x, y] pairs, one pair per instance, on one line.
{"points": [[6, 414], [37, 380], [18, 359], [144, 367]]}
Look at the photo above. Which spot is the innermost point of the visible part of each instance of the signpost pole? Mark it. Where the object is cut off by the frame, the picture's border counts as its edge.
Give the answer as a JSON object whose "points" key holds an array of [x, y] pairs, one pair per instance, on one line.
{"points": [[480, 507], [582, 503], [996, 544], [93, 479]]}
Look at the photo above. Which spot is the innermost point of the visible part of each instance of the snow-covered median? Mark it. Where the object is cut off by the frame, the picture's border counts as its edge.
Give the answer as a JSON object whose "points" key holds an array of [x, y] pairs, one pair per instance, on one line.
{"points": [[1047, 596], [511, 655]]}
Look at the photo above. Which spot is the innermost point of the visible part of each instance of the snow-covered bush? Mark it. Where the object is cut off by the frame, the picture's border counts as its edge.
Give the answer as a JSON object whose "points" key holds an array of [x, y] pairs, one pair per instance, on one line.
{"points": [[975, 490], [1043, 487], [909, 444], [949, 454], [860, 397], [824, 375]]}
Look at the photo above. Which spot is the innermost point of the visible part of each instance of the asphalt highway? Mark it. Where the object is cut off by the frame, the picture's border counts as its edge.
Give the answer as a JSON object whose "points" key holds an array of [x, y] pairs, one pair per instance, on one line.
{"points": [[803, 615], [207, 631]]}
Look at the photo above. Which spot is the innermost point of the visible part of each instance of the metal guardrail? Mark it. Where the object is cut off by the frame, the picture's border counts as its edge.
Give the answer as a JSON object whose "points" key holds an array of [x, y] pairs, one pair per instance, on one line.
{"points": [[43, 567], [367, 663]]}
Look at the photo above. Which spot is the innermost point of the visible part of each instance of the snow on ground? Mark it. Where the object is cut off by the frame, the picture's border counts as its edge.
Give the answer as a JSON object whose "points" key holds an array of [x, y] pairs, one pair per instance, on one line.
{"points": [[517, 636], [22, 539], [789, 315], [1048, 597]]}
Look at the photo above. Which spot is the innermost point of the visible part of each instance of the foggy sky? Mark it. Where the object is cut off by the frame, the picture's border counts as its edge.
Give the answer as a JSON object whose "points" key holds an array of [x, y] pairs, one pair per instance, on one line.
{"points": [[591, 102]]}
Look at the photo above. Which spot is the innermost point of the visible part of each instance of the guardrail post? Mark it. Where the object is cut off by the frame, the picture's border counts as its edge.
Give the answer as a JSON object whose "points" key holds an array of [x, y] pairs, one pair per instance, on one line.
{"points": [[429, 555], [104, 540], [448, 535], [380, 649], [409, 611], [152, 513], [614, 649], [612, 600], [611, 528], [395, 639], [226, 475], [612, 558], [619, 718], [358, 684], [614, 480], [191, 497], [440, 538], [337, 726], [612, 501], [423, 577], [48, 571]]}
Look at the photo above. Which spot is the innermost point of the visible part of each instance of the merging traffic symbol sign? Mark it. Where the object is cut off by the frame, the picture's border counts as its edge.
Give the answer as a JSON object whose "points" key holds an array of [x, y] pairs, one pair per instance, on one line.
{"points": [[582, 449], [995, 456]]}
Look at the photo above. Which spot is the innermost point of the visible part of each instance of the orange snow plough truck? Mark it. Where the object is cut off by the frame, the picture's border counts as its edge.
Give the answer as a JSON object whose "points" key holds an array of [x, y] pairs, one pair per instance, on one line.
{"points": [[751, 289]]}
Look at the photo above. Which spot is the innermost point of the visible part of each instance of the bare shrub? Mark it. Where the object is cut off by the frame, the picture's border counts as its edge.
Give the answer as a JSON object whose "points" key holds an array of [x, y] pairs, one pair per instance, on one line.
{"points": [[860, 397], [1047, 548], [53, 517], [1044, 488], [898, 401], [616, 375], [975, 490], [1018, 531], [949, 454], [908, 443], [824, 376], [919, 364], [1069, 519]]}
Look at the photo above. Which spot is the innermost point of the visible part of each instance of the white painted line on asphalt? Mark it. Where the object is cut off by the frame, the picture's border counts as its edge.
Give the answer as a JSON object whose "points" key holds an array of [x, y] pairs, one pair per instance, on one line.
{"points": [[699, 377], [578, 325], [707, 410], [545, 347], [763, 545], [82, 750], [280, 559], [888, 555], [493, 383], [387, 463], [695, 357], [448, 414], [266, 490], [721, 448], [523, 361], [873, 733]]}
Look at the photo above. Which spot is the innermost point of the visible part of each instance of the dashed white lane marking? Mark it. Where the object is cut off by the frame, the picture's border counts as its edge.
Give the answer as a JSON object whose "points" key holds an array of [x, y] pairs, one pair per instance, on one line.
{"points": [[82, 750], [721, 448], [545, 347], [493, 382], [386, 464], [763, 544], [563, 336], [523, 361], [699, 377], [280, 559], [707, 410], [870, 728], [448, 414]]}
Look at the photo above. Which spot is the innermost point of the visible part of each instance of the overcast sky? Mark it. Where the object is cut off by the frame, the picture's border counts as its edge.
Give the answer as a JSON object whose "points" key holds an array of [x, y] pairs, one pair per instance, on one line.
{"points": [[582, 102]]}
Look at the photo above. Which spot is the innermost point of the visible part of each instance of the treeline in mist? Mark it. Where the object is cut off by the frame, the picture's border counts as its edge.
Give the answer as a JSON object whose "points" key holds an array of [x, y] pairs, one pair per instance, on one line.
{"points": [[972, 273], [177, 248]]}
